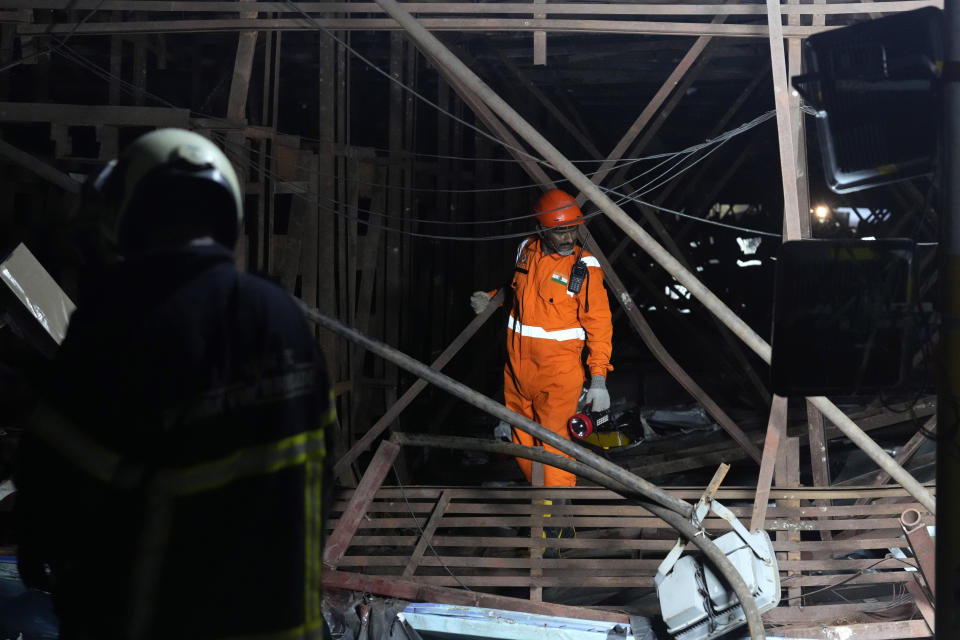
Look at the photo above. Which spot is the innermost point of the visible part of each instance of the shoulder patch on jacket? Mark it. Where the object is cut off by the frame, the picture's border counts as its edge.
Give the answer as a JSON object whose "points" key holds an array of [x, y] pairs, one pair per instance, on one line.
{"points": [[521, 259], [590, 261]]}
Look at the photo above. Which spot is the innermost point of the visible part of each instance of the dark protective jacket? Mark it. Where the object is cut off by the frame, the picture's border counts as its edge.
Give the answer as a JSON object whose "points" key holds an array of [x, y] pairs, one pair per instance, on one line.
{"points": [[172, 481]]}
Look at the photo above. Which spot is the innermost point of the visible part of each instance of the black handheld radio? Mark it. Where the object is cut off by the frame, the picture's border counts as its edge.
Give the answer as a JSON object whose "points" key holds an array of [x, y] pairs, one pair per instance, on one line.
{"points": [[577, 275]]}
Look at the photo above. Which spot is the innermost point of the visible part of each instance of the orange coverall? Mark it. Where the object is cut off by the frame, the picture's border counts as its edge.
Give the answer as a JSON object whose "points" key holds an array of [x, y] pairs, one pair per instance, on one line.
{"points": [[546, 331]]}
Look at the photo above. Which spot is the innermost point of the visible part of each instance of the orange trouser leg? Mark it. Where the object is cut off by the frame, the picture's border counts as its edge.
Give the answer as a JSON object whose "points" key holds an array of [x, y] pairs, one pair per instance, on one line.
{"points": [[551, 406]]}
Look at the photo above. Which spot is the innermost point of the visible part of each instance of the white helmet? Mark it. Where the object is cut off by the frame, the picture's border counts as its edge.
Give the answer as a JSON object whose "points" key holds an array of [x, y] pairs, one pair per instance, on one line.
{"points": [[170, 177]]}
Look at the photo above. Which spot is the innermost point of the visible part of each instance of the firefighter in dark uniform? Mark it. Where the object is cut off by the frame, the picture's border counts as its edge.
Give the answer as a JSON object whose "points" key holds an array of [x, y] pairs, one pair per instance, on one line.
{"points": [[170, 485]]}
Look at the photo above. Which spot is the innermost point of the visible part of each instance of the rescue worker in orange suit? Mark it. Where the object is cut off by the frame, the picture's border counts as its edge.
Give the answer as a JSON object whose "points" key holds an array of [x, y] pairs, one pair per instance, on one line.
{"points": [[169, 485], [559, 306]]}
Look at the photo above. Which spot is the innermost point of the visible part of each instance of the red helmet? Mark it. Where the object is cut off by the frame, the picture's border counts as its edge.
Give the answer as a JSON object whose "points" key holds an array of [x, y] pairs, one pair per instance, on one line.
{"points": [[557, 208]]}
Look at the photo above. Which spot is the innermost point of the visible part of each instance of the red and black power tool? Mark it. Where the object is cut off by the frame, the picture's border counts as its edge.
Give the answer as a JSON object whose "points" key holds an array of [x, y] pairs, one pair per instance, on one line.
{"points": [[587, 422]]}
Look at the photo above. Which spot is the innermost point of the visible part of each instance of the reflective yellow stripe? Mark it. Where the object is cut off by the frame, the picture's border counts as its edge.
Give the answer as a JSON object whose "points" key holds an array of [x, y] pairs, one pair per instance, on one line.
{"points": [[102, 463], [304, 448], [264, 459]]}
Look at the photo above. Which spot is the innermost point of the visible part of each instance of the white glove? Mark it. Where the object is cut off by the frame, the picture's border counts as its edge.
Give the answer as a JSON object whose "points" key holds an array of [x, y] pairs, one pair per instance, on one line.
{"points": [[503, 432], [479, 301], [598, 397]]}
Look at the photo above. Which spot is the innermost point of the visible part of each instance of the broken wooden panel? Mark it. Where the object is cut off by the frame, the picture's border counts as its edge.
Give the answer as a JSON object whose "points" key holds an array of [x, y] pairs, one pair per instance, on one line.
{"points": [[482, 539]]}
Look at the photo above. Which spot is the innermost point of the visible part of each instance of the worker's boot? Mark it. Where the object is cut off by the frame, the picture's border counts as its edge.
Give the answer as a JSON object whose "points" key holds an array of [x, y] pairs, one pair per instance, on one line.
{"points": [[557, 533]]}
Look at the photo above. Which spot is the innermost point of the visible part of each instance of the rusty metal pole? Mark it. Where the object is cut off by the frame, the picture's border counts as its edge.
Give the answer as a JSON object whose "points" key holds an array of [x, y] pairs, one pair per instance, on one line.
{"points": [[922, 545], [948, 374]]}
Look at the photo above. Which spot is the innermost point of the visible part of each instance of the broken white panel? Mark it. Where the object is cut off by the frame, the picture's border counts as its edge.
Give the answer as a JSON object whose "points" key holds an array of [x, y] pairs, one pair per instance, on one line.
{"points": [[452, 621], [38, 293]]}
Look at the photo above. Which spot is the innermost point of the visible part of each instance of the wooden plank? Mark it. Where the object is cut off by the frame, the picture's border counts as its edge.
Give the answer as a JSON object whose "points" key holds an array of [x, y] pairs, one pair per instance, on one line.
{"points": [[427, 532], [536, 534], [926, 432], [798, 131], [676, 96], [237, 111], [39, 167], [410, 394], [776, 427], [8, 34], [539, 38], [139, 65], [497, 128], [826, 612], [619, 507], [419, 592], [730, 169], [116, 65], [593, 493], [619, 291], [549, 105], [94, 115], [440, 301], [320, 246], [781, 100], [615, 544], [339, 540], [620, 545], [588, 581], [819, 17], [819, 454], [109, 139], [787, 474], [866, 631], [624, 522], [642, 120], [506, 25], [439, 8], [271, 184], [589, 578], [367, 262], [607, 515], [614, 567], [614, 525]]}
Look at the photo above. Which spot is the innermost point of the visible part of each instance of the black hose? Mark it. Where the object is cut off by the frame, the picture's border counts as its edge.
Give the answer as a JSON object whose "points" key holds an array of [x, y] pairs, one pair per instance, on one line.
{"points": [[637, 484], [679, 522]]}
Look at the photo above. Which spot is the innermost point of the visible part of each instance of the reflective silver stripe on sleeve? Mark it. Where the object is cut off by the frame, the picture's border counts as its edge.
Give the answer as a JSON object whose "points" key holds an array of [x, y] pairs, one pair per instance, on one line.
{"points": [[590, 261], [577, 333], [520, 250]]}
